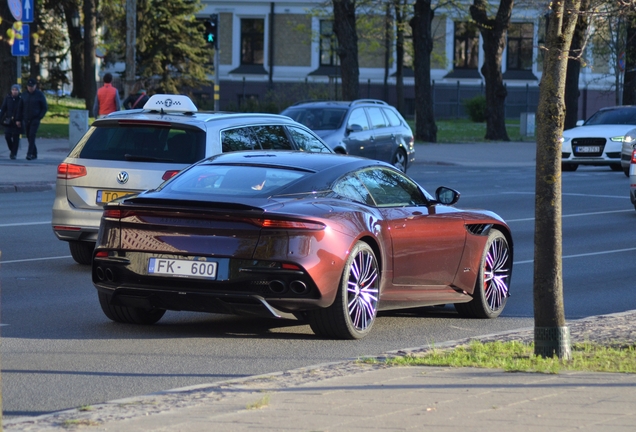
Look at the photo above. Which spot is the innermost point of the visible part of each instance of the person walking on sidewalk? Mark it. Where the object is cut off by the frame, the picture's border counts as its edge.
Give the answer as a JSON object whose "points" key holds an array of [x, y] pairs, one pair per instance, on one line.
{"points": [[11, 106], [136, 99], [107, 100], [34, 107]]}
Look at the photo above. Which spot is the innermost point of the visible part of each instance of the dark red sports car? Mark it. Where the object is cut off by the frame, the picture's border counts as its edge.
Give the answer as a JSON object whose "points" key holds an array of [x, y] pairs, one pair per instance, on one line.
{"points": [[327, 238]]}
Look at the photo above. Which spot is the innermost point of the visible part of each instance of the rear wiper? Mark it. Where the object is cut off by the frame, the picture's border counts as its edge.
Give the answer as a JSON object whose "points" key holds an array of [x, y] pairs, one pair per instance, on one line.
{"points": [[137, 158]]}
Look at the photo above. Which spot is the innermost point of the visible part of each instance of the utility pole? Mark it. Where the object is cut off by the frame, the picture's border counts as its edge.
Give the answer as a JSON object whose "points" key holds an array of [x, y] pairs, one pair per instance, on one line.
{"points": [[131, 42]]}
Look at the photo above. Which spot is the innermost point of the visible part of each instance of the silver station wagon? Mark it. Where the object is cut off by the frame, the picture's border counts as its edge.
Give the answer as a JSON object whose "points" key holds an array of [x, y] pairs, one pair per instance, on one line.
{"points": [[128, 152]]}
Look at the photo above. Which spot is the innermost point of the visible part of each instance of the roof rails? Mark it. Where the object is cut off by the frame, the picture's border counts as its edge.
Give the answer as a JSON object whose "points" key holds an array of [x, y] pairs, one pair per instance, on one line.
{"points": [[167, 103], [369, 101]]}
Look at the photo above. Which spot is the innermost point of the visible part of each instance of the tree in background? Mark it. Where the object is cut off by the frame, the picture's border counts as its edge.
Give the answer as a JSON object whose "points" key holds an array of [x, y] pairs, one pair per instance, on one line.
{"points": [[551, 336], [90, 40], [344, 26], [172, 55], [629, 82], [425, 127], [493, 32], [8, 63], [579, 40]]}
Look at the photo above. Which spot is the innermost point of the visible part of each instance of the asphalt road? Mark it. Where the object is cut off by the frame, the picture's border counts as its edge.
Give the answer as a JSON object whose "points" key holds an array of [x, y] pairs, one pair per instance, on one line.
{"points": [[59, 350]]}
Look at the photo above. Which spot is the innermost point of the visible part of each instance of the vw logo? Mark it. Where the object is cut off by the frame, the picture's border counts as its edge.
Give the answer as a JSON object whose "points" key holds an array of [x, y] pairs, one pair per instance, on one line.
{"points": [[122, 177]]}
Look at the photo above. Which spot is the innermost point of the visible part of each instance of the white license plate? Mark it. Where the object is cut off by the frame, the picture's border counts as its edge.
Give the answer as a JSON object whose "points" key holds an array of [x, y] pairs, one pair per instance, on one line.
{"points": [[589, 149], [183, 268]]}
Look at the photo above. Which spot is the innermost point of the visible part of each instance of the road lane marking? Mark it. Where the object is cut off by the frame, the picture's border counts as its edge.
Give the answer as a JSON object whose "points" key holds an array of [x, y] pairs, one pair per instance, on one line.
{"points": [[575, 215], [583, 255], [568, 194], [35, 259], [24, 224]]}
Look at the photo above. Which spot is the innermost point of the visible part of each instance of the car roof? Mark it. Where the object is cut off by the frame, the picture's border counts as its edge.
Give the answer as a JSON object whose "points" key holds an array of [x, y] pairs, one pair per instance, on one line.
{"points": [[295, 159], [162, 108], [342, 104]]}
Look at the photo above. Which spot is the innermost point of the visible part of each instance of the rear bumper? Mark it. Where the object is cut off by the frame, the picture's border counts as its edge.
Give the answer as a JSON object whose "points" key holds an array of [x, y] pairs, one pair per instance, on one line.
{"points": [[72, 224]]}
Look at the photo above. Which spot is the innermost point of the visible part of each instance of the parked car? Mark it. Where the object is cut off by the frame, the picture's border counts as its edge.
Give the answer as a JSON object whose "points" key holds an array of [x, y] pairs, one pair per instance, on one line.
{"points": [[130, 151], [600, 140], [326, 238], [632, 178], [364, 127]]}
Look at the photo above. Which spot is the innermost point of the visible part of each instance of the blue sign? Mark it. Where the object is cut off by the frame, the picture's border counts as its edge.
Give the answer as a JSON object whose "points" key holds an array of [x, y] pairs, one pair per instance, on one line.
{"points": [[21, 43], [27, 11]]}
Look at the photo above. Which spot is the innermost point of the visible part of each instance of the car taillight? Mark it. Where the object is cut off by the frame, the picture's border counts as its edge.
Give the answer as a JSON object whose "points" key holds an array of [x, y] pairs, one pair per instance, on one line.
{"points": [[113, 213], [169, 174], [68, 171], [290, 224], [634, 156]]}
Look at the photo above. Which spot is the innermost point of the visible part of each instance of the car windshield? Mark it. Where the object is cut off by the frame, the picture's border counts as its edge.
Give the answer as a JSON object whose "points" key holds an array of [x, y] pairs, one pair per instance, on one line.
{"points": [[626, 116], [318, 118], [146, 143], [232, 180]]}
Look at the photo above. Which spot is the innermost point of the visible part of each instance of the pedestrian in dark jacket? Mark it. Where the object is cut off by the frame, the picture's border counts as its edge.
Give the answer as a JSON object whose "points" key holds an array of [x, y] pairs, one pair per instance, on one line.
{"points": [[11, 106], [34, 108], [137, 98]]}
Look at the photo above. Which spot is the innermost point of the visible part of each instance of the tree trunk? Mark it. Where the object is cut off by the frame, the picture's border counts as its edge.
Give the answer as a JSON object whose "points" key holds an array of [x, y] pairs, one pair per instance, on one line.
{"points": [[344, 26], [388, 38], [493, 32], [574, 69], [399, 55], [8, 63], [551, 336], [90, 30], [629, 84], [425, 127], [76, 49], [34, 55]]}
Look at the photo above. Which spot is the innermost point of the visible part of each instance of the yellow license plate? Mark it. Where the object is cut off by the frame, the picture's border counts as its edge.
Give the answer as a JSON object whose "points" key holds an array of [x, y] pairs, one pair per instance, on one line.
{"points": [[105, 196]]}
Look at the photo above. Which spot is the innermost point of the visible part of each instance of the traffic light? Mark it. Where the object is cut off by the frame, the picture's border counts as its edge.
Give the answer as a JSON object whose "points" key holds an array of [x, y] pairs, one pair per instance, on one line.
{"points": [[211, 32]]}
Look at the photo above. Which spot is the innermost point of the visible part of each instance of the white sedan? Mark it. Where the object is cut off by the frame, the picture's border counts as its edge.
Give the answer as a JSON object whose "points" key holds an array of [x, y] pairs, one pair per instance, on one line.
{"points": [[599, 141]]}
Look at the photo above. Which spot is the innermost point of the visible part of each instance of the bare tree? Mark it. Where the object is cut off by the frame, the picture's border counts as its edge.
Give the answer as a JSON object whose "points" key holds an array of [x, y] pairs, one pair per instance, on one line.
{"points": [[344, 26], [629, 82], [493, 31], [551, 336], [425, 127], [400, 21]]}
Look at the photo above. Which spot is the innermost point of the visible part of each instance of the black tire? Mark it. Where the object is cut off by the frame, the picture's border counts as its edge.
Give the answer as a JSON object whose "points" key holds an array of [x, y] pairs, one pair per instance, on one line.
{"points": [[492, 288], [399, 160], [616, 167], [569, 167], [353, 312], [82, 252], [128, 315]]}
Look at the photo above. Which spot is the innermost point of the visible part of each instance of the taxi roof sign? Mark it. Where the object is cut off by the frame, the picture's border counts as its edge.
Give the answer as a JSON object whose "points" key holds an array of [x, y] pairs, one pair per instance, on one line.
{"points": [[170, 103]]}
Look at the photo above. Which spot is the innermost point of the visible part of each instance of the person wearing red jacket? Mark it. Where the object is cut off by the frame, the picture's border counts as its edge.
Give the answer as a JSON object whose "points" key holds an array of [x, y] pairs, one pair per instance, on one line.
{"points": [[107, 100]]}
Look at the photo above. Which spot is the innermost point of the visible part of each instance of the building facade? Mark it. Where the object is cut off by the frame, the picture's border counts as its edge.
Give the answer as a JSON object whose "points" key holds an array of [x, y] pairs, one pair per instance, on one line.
{"points": [[276, 53]]}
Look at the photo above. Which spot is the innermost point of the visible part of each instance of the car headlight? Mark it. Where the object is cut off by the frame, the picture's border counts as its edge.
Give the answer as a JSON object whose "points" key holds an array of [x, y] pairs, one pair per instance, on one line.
{"points": [[618, 138], [630, 137], [565, 139]]}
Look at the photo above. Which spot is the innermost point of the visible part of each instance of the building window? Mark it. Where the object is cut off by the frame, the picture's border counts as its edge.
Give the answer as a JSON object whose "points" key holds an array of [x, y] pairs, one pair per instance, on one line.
{"points": [[252, 41], [328, 44], [466, 46], [519, 54]]}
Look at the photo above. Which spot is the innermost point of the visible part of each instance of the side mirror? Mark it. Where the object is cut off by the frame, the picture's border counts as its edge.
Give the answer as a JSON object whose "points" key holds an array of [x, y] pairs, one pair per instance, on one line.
{"points": [[446, 196], [580, 122], [354, 128]]}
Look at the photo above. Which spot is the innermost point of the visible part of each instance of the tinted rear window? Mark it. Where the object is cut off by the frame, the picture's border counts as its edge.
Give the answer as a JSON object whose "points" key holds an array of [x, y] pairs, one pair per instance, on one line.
{"points": [[232, 180], [142, 143]]}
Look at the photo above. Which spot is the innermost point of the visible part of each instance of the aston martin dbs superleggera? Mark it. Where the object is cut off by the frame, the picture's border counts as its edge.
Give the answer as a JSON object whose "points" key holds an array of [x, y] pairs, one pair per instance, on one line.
{"points": [[325, 238]]}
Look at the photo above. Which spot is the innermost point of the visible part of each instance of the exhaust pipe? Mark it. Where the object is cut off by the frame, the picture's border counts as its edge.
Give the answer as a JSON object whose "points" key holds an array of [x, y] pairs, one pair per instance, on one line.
{"points": [[298, 287], [99, 272], [277, 287], [110, 277]]}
